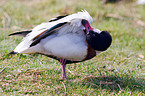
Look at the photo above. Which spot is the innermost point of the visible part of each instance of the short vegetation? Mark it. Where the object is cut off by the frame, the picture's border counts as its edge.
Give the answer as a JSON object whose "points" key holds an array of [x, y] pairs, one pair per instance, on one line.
{"points": [[118, 71]]}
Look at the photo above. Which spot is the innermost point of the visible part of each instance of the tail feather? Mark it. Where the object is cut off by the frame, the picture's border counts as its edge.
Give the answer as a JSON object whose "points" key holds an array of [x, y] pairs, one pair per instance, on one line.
{"points": [[22, 33], [12, 53]]}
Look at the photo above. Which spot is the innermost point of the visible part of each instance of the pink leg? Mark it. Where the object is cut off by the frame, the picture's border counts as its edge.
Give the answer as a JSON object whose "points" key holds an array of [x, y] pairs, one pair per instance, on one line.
{"points": [[63, 62]]}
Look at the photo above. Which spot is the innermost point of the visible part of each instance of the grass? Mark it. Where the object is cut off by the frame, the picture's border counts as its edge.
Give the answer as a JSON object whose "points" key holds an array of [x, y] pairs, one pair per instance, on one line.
{"points": [[118, 71]]}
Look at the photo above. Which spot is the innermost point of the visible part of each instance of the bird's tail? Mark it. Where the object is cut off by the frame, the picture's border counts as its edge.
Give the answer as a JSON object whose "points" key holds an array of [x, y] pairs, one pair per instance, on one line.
{"points": [[22, 33], [13, 52]]}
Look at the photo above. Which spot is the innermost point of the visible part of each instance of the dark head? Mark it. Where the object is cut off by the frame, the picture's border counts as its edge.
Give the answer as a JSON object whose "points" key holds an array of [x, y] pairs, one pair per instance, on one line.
{"points": [[98, 40]]}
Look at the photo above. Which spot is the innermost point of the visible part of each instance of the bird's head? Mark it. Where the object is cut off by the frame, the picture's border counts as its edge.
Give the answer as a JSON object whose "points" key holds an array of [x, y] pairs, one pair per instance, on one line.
{"points": [[98, 40]]}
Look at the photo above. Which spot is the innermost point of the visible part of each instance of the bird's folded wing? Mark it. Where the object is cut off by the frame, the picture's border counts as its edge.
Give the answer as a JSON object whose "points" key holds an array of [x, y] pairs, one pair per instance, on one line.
{"points": [[46, 33]]}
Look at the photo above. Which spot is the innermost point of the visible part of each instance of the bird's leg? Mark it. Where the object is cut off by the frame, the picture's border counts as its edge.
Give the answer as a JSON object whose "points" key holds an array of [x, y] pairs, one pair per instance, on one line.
{"points": [[64, 71], [63, 63]]}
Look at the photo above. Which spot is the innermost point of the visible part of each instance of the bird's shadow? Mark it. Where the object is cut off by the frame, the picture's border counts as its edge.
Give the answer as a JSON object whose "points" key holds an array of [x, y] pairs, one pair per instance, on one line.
{"points": [[115, 83]]}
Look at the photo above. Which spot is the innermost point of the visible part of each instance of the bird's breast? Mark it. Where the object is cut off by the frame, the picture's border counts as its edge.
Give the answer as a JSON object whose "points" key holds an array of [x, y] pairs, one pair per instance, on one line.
{"points": [[69, 46]]}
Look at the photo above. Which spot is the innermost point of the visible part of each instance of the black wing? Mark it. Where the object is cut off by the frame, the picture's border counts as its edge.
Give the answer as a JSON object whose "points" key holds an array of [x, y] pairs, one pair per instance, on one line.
{"points": [[57, 18], [22, 33]]}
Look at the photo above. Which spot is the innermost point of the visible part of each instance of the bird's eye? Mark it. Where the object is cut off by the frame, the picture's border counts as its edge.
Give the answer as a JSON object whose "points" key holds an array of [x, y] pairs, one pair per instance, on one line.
{"points": [[88, 27]]}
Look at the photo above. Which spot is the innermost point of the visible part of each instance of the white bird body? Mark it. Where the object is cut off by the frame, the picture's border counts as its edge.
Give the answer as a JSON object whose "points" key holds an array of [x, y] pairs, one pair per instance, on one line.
{"points": [[68, 42], [68, 39]]}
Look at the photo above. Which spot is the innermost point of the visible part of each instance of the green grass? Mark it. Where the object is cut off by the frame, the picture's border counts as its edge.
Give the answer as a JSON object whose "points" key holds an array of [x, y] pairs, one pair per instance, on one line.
{"points": [[118, 71]]}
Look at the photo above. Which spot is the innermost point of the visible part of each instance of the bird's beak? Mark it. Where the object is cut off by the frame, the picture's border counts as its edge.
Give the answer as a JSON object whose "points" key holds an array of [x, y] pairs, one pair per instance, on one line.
{"points": [[87, 26]]}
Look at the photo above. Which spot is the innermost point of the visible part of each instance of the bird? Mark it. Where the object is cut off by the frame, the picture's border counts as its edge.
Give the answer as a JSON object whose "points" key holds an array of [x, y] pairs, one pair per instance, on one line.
{"points": [[141, 2], [68, 39]]}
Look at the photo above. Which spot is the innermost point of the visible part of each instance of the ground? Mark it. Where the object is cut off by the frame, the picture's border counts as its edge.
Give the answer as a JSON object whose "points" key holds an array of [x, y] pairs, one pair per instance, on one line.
{"points": [[118, 71]]}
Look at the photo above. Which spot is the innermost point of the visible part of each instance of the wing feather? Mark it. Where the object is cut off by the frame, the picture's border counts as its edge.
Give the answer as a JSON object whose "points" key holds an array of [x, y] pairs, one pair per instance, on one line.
{"points": [[22, 33], [57, 18], [46, 33]]}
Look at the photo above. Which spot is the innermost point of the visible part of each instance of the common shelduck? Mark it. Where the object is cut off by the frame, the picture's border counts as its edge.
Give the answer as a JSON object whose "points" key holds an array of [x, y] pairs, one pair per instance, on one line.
{"points": [[68, 39]]}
